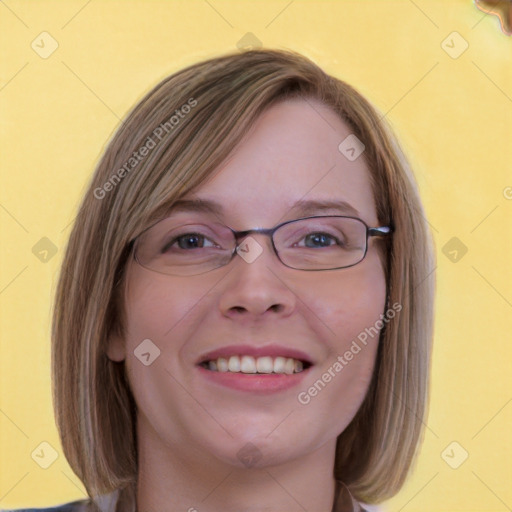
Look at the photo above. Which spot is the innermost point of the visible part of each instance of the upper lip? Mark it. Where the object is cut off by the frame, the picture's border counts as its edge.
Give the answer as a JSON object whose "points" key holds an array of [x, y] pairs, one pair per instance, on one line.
{"points": [[255, 351]]}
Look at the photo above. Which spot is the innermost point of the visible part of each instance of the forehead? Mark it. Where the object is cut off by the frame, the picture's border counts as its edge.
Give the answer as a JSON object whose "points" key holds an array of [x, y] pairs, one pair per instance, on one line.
{"points": [[290, 155]]}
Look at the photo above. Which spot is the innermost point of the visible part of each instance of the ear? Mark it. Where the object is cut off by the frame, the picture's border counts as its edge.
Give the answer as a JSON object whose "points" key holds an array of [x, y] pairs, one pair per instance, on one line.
{"points": [[116, 348]]}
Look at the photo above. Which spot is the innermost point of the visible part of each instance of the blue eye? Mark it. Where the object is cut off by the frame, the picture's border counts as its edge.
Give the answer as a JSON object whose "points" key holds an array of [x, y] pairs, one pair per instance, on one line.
{"points": [[187, 241], [320, 238]]}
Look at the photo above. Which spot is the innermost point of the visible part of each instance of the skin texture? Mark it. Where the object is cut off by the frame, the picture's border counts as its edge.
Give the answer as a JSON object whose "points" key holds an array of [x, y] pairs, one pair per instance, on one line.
{"points": [[189, 430]]}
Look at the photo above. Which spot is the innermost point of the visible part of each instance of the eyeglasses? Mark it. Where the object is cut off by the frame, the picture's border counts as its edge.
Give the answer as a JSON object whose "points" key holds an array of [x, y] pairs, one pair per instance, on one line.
{"points": [[185, 248]]}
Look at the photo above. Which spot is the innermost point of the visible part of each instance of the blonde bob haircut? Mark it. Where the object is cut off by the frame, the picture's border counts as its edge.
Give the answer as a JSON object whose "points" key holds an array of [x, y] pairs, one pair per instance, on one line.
{"points": [[94, 407]]}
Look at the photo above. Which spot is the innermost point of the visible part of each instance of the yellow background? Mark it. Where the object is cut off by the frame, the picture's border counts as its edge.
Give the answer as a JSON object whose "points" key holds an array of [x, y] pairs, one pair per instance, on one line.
{"points": [[452, 115]]}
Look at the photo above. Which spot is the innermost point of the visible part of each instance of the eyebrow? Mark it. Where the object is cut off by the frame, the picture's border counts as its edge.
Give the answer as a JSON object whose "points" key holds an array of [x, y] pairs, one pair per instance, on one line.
{"points": [[301, 207]]}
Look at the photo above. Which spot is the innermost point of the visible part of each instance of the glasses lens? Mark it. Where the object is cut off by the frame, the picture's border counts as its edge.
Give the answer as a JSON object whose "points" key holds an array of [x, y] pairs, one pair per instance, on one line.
{"points": [[184, 248], [321, 243]]}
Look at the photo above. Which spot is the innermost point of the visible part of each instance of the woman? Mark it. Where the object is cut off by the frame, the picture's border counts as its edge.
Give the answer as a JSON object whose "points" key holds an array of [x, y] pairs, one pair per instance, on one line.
{"points": [[244, 314]]}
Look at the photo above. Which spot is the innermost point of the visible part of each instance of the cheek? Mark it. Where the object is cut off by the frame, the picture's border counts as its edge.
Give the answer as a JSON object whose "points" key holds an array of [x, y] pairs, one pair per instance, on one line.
{"points": [[351, 305], [162, 316], [352, 301], [155, 307]]}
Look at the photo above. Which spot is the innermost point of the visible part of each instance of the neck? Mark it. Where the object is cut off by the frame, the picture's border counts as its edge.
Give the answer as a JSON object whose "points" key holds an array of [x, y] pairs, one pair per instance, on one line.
{"points": [[183, 478]]}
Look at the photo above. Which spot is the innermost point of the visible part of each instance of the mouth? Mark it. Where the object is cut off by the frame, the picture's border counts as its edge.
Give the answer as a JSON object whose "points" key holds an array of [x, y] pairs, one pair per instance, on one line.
{"points": [[251, 365], [255, 369]]}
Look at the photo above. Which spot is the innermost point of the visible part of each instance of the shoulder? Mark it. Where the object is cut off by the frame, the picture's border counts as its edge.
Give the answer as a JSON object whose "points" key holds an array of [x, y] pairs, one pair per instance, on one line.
{"points": [[104, 503], [75, 506]]}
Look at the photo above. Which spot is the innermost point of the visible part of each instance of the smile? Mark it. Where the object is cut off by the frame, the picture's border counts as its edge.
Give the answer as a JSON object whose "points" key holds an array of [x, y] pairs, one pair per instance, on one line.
{"points": [[256, 365]]}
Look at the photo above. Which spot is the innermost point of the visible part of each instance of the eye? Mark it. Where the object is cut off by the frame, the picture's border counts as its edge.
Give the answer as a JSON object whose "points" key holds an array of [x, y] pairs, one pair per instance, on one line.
{"points": [[189, 241], [320, 239]]}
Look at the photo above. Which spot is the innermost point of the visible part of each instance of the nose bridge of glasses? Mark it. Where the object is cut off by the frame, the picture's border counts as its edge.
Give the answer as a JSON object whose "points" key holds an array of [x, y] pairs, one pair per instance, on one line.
{"points": [[239, 235], [264, 233]]}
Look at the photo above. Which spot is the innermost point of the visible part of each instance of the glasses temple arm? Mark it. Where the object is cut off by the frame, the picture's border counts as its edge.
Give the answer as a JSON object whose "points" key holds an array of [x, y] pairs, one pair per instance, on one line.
{"points": [[382, 231]]}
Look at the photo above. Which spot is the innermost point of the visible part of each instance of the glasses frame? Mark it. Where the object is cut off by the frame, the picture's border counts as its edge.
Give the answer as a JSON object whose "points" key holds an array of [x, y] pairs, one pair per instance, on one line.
{"points": [[381, 231]]}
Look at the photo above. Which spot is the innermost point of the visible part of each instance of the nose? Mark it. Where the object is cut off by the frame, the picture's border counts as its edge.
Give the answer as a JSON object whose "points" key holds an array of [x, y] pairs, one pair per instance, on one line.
{"points": [[257, 282]]}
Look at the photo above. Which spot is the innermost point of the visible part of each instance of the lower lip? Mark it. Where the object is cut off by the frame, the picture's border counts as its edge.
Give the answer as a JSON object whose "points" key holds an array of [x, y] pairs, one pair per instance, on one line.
{"points": [[259, 383]]}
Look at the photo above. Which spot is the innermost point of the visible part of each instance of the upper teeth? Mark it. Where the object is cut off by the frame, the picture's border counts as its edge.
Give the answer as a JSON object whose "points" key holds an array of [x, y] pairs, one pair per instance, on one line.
{"points": [[249, 364]]}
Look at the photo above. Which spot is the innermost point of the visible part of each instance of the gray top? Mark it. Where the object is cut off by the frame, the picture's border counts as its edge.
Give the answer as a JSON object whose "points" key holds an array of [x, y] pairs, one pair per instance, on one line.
{"points": [[124, 501], [105, 503]]}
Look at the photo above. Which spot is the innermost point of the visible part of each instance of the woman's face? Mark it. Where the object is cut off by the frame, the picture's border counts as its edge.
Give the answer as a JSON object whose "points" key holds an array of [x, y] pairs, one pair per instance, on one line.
{"points": [[291, 154]]}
